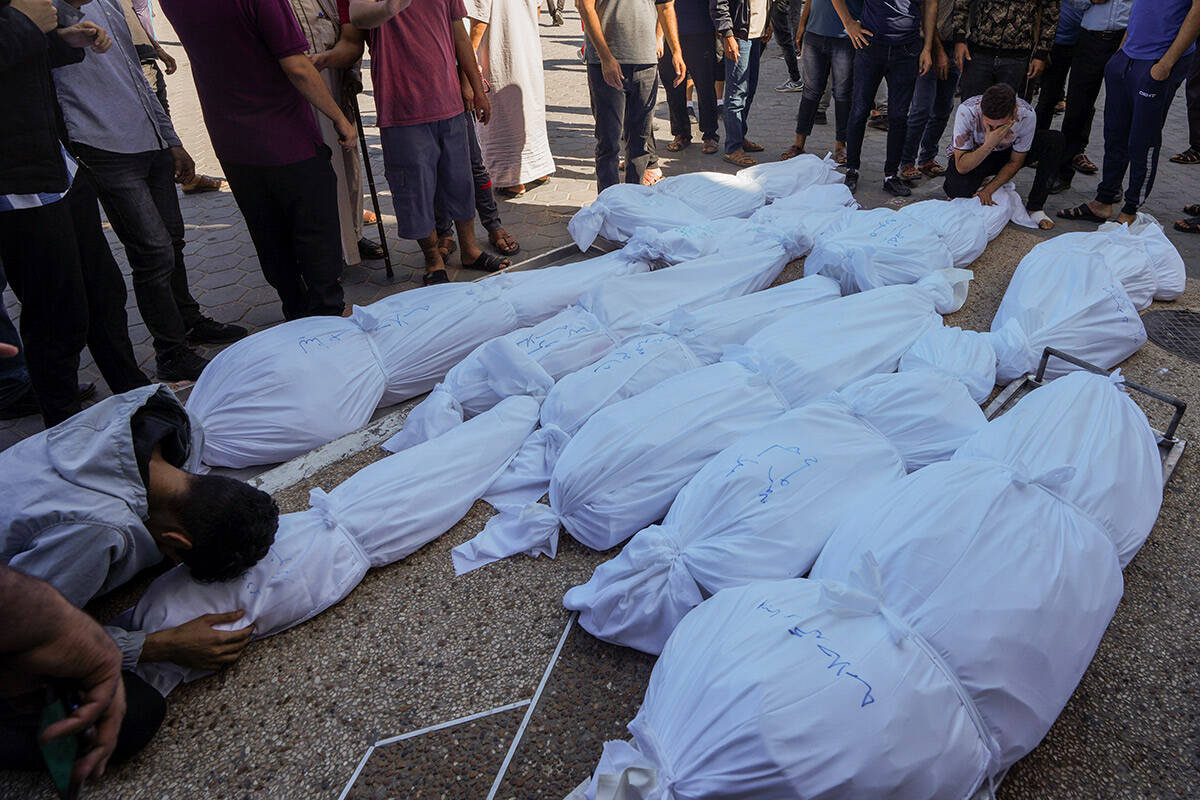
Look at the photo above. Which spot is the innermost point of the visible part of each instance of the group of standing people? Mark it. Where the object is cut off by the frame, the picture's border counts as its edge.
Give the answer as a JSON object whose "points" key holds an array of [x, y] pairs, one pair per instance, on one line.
{"points": [[278, 82], [928, 52]]}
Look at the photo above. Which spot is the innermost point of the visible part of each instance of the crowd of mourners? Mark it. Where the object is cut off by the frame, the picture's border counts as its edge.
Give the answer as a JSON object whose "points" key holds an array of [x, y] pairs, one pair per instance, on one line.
{"points": [[460, 106]]}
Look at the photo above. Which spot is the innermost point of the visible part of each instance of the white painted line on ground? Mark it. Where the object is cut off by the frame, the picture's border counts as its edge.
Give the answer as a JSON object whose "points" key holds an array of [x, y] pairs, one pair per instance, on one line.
{"points": [[512, 749], [357, 771], [451, 723]]}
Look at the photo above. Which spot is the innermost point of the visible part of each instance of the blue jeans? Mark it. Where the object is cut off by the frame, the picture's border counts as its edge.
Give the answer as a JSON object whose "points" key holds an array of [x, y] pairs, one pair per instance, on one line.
{"points": [[14, 378], [872, 64], [741, 81], [820, 57], [1135, 109], [927, 115]]}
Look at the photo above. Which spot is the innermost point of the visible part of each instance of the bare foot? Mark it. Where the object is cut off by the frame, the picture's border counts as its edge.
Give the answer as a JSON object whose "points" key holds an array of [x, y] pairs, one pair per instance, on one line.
{"points": [[652, 176], [1125, 219]]}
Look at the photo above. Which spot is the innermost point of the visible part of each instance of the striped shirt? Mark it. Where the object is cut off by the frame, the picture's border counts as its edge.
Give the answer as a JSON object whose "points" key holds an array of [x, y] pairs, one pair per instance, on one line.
{"points": [[17, 202]]}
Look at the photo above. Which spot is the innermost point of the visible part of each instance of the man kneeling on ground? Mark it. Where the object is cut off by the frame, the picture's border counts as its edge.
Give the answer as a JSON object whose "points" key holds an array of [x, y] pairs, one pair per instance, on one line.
{"points": [[994, 134], [90, 503]]}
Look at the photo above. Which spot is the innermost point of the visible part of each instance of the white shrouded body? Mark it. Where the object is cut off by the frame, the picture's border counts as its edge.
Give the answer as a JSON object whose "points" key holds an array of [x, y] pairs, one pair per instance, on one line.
{"points": [[780, 179], [763, 507], [879, 247]]}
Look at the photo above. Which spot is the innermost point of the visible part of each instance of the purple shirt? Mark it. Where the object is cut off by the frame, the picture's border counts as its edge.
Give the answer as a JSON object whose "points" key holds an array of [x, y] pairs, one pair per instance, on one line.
{"points": [[1153, 26], [253, 113]]}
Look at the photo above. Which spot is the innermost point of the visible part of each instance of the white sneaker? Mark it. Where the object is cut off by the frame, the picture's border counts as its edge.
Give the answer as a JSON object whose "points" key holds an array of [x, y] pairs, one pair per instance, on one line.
{"points": [[790, 86]]}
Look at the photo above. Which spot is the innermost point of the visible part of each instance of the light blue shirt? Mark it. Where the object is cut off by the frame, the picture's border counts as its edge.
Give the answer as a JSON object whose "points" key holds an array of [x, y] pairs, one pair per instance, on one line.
{"points": [[105, 99], [1110, 16]]}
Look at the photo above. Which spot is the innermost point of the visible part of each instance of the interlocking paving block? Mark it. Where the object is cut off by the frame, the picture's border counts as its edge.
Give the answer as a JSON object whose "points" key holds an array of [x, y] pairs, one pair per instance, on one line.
{"points": [[594, 690], [1177, 332], [455, 763]]}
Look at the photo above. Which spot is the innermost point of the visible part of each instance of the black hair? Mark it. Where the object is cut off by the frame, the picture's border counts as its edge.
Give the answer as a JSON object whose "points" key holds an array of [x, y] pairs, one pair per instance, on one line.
{"points": [[998, 102], [231, 526]]}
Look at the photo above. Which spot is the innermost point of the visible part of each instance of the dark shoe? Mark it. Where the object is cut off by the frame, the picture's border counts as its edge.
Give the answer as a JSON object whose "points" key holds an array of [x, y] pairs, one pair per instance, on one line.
{"points": [[896, 187], [87, 391], [1057, 185], [852, 180], [179, 364], [432, 278], [821, 118], [556, 18], [209, 331], [26, 405], [369, 250], [879, 123]]}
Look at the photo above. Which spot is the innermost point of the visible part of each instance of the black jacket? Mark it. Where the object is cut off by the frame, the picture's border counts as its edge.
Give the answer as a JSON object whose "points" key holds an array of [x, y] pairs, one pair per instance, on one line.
{"points": [[731, 16], [30, 155]]}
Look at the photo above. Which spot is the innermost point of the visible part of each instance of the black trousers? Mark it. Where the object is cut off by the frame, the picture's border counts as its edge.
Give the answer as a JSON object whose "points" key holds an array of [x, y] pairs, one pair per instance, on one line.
{"points": [[145, 709], [72, 294], [700, 58], [1092, 52], [291, 213], [1046, 150], [989, 66], [1054, 83]]}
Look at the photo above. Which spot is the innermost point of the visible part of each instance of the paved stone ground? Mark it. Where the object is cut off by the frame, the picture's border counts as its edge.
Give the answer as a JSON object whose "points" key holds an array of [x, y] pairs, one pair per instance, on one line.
{"points": [[414, 647]]}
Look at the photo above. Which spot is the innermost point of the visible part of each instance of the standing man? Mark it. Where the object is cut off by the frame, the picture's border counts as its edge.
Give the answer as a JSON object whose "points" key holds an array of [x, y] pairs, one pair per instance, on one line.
{"points": [[1054, 80], [784, 28], [1103, 29], [696, 38], [126, 147], [621, 52], [335, 49], [515, 144], [825, 52], [1139, 83], [744, 26], [419, 55], [1002, 41], [51, 243], [255, 85], [894, 40], [1192, 154], [933, 97]]}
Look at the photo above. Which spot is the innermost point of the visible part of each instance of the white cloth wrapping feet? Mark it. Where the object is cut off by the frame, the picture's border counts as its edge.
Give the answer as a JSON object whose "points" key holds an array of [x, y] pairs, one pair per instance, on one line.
{"points": [[379, 515], [529, 360], [283, 391], [618, 212], [809, 214], [688, 340], [947, 622], [784, 178], [763, 507], [623, 467], [879, 247]]}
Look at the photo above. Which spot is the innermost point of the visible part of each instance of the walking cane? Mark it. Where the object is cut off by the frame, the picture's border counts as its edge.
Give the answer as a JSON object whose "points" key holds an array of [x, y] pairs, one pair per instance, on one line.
{"points": [[362, 140]]}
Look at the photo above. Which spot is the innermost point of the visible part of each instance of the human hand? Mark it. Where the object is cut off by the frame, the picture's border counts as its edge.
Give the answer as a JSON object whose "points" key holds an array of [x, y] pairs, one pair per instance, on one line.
{"points": [[985, 196], [679, 67], [858, 34], [41, 12], [197, 644], [612, 72], [7, 350], [483, 109], [319, 61], [169, 65], [962, 53], [1036, 67], [925, 61], [1160, 71], [799, 37], [767, 31], [660, 47], [996, 135], [941, 63], [185, 167], [86, 34], [732, 53], [347, 133]]}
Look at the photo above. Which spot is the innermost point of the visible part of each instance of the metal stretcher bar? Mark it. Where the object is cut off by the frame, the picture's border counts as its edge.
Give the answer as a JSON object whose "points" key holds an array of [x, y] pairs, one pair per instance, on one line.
{"points": [[1170, 448]]}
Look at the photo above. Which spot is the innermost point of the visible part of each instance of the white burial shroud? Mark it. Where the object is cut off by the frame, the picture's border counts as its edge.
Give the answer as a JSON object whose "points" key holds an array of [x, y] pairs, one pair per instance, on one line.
{"points": [[763, 507], [947, 622], [529, 360], [623, 467], [283, 391], [379, 515]]}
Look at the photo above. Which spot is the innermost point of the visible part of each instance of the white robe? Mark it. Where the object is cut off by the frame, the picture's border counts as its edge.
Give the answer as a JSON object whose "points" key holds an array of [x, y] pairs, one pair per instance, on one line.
{"points": [[516, 147]]}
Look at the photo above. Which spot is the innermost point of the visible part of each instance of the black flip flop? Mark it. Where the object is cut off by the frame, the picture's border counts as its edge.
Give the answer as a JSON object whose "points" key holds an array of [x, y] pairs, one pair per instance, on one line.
{"points": [[435, 277], [1193, 210], [510, 251], [1191, 225], [487, 263], [1080, 213]]}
